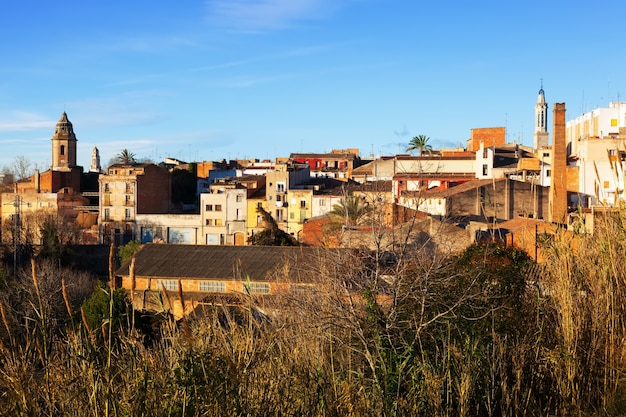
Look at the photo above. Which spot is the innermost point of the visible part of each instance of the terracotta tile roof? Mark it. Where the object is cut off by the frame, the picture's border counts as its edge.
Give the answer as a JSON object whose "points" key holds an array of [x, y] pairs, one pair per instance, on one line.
{"points": [[520, 223], [217, 262], [461, 188]]}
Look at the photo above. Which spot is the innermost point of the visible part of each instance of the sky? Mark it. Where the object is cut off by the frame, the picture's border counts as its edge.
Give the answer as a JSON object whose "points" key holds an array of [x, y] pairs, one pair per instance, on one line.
{"points": [[210, 79]]}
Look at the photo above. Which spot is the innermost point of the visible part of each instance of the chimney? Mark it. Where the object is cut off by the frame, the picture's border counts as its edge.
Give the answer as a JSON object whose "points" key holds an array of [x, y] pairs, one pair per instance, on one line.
{"points": [[37, 181], [558, 186]]}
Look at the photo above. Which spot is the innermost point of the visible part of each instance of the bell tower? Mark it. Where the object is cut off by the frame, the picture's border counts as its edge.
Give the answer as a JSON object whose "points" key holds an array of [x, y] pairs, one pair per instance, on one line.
{"points": [[63, 145], [541, 122], [95, 161]]}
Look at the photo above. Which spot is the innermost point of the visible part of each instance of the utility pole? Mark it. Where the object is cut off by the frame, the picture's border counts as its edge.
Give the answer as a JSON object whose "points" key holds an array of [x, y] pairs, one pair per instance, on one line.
{"points": [[17, 203]]}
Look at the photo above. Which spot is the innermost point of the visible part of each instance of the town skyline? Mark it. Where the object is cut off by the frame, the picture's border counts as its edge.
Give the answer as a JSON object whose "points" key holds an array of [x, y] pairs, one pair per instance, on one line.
{"points": [[239, 79]]}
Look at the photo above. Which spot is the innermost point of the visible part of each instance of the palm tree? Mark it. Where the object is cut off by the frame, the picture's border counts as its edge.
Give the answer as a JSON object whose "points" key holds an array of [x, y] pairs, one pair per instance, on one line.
{"points": [[351, 210], [126, 157], [420, 143]]}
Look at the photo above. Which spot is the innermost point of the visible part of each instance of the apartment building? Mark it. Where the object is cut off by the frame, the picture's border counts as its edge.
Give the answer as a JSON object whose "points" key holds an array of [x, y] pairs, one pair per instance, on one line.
{"points": [[127, 190], [279, 183], [223, 211], [338, 163]]}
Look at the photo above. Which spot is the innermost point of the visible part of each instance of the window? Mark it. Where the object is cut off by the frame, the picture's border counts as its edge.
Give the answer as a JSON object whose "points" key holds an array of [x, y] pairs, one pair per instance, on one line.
{"points": [[127, 213], [218, 207], [302, 203], [62, 149], [259, 204], [278, 199], [256, 287], [548, 172], [239, 198], [209, 222], [280, 187], [106, 214], [546, 154], [212, 286], [322, 202], [302, 289], [127, 199], [485, 153], [218, 222], [485, 169], [168, 284], [208, 207], [106, 187], [128, 187]]}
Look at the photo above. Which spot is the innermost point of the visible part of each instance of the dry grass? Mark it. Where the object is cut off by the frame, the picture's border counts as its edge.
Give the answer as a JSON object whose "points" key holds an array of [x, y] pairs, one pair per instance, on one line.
{"points": [[452, 337]]}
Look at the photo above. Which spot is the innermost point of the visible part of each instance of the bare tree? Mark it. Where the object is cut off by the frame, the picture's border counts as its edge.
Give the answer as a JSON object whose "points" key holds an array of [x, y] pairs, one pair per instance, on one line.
{"points": [[22, 167]]}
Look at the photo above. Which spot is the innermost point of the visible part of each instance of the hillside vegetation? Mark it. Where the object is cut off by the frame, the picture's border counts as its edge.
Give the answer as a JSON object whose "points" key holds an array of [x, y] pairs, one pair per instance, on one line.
{"points": [[484, 333]]}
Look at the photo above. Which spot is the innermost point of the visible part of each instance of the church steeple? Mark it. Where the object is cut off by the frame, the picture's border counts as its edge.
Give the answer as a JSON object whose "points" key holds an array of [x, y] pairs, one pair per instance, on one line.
{"points": [[63, 145], [541, 121]]}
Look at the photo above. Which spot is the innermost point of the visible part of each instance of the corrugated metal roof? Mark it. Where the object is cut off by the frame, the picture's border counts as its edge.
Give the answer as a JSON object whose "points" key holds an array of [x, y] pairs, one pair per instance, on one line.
{"points": [[216, 262]]}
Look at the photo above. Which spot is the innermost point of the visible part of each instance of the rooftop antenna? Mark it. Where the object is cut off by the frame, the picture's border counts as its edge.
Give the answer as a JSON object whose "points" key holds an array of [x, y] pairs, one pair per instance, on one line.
{"points": [[582, 106]]}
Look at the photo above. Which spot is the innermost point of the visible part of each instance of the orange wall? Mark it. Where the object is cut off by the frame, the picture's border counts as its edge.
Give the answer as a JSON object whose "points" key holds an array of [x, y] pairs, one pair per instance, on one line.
{"points": [[490, 136]]}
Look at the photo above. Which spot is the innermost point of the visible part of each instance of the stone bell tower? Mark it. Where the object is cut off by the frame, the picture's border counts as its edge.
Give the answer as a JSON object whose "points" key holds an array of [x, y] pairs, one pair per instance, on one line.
{"points": [[63, 145]]}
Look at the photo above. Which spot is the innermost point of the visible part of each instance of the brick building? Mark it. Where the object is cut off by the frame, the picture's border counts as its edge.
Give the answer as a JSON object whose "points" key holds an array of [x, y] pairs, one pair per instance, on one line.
{"points": [[127, 190]]}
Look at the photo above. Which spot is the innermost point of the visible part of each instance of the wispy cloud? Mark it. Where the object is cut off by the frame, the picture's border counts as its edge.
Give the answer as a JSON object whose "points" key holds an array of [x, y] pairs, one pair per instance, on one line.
{"points": [[22, 121], [262, 15], [149, 43]]}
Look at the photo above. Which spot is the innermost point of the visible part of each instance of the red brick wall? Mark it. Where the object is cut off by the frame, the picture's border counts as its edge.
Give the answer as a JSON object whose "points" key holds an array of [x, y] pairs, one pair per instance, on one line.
{"points": [[490, 136], [153, 191], [558, 189]]}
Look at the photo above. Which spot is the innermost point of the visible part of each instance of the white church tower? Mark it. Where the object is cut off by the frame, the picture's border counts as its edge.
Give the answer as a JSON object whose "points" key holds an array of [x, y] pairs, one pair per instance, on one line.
{"points": [[95, 161], [541, 122]]}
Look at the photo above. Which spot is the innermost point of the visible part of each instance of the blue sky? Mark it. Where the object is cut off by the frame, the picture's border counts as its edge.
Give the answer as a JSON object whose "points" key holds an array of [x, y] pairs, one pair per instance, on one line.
{"points": [[212, 79]]}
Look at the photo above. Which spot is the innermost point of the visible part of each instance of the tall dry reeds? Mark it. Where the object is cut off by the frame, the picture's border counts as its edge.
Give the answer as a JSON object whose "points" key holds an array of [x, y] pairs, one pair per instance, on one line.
{"points": [[469, 335]]}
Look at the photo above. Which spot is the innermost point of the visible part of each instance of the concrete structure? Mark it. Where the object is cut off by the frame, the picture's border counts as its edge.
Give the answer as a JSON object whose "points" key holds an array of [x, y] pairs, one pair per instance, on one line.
{"points": [[596, 145], [178, 229], [599, 123], [600, 164]]}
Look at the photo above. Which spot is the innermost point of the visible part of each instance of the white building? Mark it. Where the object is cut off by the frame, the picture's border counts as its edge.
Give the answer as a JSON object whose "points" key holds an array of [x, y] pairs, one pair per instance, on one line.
{"points": [[600, 123]]}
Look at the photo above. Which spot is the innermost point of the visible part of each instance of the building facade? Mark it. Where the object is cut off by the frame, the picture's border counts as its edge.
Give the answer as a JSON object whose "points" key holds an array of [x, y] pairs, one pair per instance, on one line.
{"points": [[126, 191]]}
